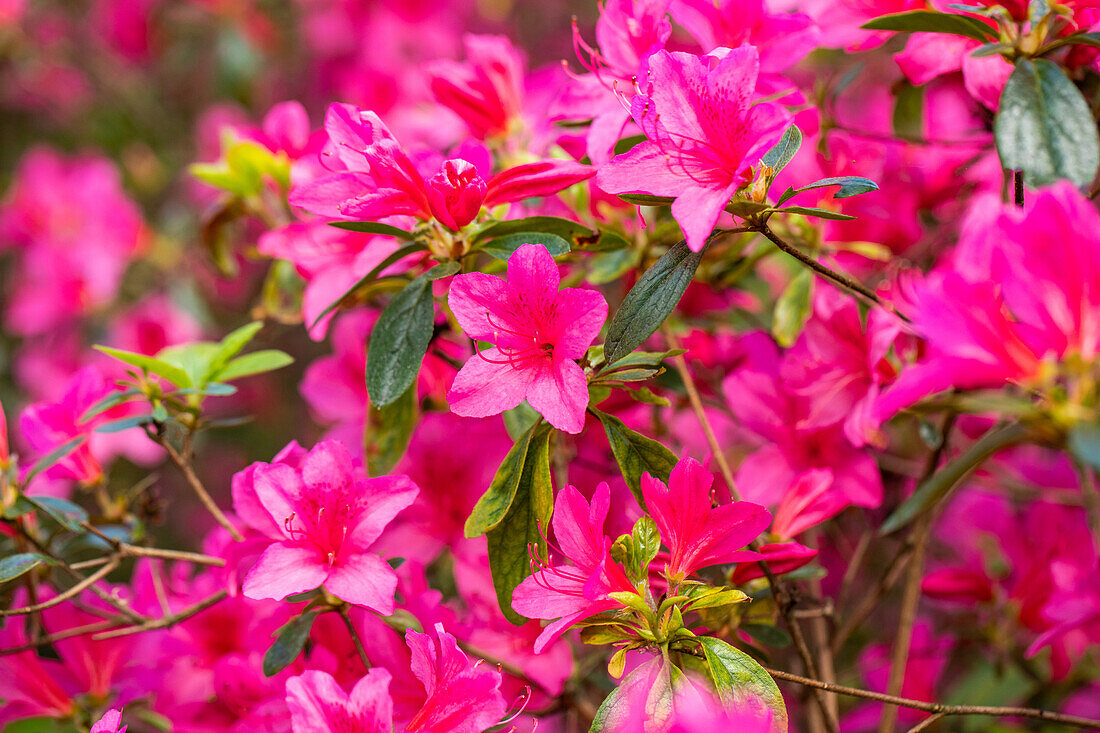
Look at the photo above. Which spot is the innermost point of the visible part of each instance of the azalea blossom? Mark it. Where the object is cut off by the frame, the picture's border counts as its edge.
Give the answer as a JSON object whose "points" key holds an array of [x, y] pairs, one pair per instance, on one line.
{"points": [[537, 332], [569, 593], [370, 176], [326, 516], [698, 533], [111, 722], [704, 130]]}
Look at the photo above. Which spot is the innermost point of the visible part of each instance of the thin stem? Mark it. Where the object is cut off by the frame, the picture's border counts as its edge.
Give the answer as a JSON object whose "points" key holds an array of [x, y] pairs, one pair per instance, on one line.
{"points": [[165, 621], [1018, 187], [65, 595], [51, 638], [184, 467], [926, 723], [829, 274], [935, 707], [343, 611]]}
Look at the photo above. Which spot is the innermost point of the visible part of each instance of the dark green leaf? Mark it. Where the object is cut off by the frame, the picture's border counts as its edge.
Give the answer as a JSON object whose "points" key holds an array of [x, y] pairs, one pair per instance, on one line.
{"points": [[41, 725], [1044, 126], [941, 483], [210, 389], [610, 266], [399, 341], [372, 227], [65, 513], [814, 211], [148, 364], [519, 420], [644, 199], [389, 430], [849, 185], [1084, 443], [738, 677], [651, 300], [443, 270], [493, 505], [503, 247], [12, 566], [289, 643], [636, 454], [1085, 39], [925, 21], [525, 524], [784, 151], [397, 256], [53, 457], [992, 49], [257, 362], [117, 426], [568, 230], [607, 241]]}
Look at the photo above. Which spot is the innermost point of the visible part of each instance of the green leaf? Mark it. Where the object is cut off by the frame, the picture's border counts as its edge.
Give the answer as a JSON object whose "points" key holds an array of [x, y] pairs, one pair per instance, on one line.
{"points": [[519, 420], [502, 248], [568, 230], [117, 426], [493, 505], [849, 185], [941, 483], [716, 598], [738, 677], [193, 358], [646, 540], [53, 457], [525, 524], [925, 21], [768, 635], [389, 430], [373, 227], [1044, 126], [258, 362], [289, 643], [445, 269], [12, 566], [399, 341], [651, 300], [636, 454], [644, 199], [41, 725], [652, 684], [814, 211], [65, 513], [783, 152], [610, 266], [150, 365], [111, 400], [1084, 443], [1084, 39], [793, 308], [393, 258], [230, 346]]}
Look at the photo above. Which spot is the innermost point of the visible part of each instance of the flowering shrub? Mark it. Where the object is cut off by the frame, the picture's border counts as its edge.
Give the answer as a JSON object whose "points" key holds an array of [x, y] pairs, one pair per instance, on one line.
{"points": [[457, 367]]}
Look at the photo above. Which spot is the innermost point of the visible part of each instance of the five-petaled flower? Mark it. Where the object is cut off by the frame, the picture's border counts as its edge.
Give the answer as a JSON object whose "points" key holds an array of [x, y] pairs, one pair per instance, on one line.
{"points": [[571, 593], [697, 533], [704, 131], [325, 519], [538, 332]]}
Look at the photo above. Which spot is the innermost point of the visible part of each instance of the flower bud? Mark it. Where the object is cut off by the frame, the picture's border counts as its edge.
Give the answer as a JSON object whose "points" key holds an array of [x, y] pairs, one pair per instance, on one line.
{"points": [[455, 194]]}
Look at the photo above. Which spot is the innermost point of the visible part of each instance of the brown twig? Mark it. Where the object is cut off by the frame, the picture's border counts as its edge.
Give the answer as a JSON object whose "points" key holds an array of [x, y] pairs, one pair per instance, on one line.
{"points": [[124, 549], [165, 621], [827, 273], [935, 707], [926, 723], [67, 594], [60, 635], [193, 481]]}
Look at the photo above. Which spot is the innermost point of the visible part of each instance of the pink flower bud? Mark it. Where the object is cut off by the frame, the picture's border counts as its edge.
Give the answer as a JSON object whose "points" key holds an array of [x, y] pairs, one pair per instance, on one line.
{"points": [[455, 194]]}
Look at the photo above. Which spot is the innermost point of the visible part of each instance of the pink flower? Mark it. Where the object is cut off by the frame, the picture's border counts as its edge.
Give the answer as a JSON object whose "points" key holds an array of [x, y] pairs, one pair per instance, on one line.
{"points": [[111, 722], [1006, 307], [326, 518], [704, 132], [571, 593], [487, 90], [538, 334], [461, 697], [782, 38], [697, 533], [372, 177], [319, 705], [455, 194]]}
